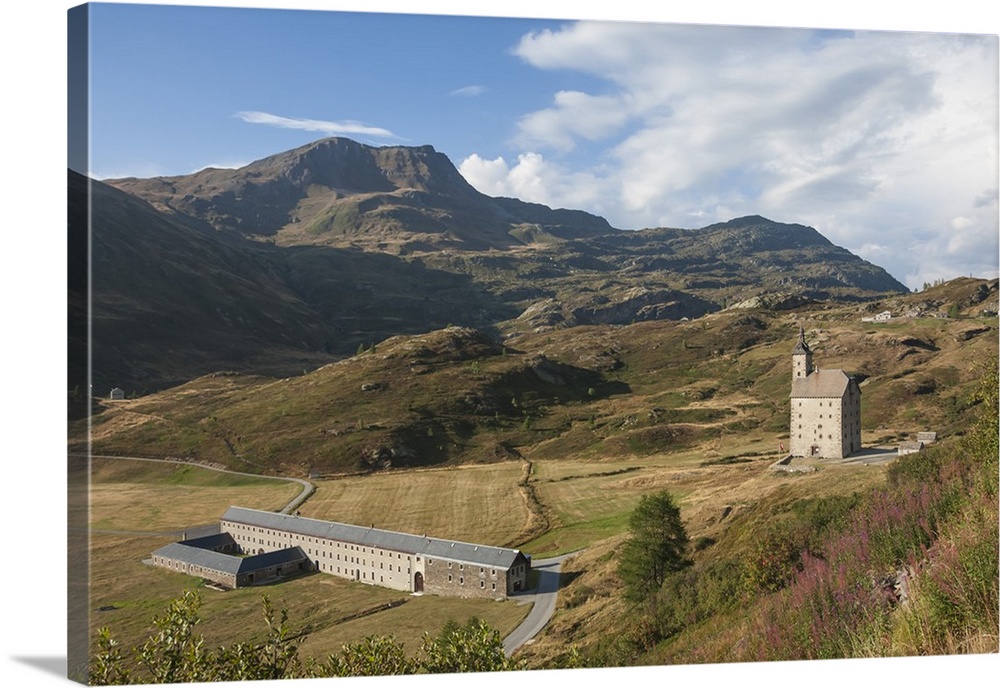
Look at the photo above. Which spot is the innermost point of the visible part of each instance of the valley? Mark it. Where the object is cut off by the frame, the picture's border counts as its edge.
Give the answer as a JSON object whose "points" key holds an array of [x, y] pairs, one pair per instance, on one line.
{"points": [[546, 447], [485, 370]]}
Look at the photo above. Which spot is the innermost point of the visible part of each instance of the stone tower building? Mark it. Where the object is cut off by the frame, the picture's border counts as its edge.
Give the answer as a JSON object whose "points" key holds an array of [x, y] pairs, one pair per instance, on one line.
{"points": [[825, 409]]}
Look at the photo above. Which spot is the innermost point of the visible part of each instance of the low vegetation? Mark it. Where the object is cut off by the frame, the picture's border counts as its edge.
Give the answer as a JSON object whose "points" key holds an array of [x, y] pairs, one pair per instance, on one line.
{"points": [[177, 653]]}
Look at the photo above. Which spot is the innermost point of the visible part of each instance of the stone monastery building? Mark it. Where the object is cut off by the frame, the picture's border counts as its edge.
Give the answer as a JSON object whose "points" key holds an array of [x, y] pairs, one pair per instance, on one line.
{"points": [[825, 409], [284, 545]]}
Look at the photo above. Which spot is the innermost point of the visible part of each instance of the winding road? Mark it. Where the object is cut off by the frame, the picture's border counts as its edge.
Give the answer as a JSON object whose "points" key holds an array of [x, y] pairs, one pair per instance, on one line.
{"points": [[542, 599]]}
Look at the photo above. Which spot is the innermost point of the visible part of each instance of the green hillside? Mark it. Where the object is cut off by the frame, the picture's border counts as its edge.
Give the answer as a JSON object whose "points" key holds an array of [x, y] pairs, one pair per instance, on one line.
{"points": [[457, 395]]}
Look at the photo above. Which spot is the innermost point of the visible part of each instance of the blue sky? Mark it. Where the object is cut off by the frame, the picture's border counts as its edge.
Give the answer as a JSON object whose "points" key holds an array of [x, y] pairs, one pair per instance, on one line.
{"points": [[886, 142]]}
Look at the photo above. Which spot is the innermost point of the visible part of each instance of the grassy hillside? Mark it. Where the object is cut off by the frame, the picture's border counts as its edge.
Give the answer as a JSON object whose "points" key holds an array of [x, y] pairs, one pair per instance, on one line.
{"points": [[719, 384], [901, 563], [546, 442]]}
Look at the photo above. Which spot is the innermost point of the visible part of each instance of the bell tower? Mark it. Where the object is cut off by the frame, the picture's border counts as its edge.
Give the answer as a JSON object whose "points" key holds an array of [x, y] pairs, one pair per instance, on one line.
{"points": [[802, 358]]}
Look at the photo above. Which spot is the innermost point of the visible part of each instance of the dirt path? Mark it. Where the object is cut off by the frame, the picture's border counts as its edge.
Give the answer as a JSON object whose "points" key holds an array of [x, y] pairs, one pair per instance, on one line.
{"points": [[195, 531]]}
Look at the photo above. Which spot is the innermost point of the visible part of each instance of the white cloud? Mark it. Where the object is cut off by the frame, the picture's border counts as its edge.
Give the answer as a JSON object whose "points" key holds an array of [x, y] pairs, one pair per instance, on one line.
{"points": [[223, 166], [322, 126], [574, 114], [874, 138], [536, 180], [469, 91]]}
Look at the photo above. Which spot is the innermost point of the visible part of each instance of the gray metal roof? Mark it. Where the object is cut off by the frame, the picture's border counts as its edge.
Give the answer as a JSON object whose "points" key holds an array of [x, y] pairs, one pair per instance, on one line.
{"points": [[281, 556], [821, 384], [206, 558], [210, 541], [227, 563], [479, 555]]}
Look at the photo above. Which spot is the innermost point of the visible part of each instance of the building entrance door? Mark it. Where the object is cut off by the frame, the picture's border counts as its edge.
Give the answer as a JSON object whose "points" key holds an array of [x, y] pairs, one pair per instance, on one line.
{"points": [[418, 582]]}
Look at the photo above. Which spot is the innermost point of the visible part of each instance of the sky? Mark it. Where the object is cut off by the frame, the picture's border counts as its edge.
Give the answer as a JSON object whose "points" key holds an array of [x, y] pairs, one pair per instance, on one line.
{"points": [[884, 141], [896, 159]]}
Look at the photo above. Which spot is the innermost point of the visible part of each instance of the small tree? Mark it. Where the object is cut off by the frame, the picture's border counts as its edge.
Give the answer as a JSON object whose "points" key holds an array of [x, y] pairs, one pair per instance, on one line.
{"points": [[656, 545], [376, 655], [470, 648]]}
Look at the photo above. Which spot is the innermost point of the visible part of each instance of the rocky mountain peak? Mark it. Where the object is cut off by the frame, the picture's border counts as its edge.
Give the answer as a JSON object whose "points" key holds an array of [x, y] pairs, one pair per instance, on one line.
{"points": [[347, 165]]}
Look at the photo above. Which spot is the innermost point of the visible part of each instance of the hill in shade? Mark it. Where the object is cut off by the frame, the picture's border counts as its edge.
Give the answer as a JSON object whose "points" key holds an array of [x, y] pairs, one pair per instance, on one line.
{"points": [[306, 256]]}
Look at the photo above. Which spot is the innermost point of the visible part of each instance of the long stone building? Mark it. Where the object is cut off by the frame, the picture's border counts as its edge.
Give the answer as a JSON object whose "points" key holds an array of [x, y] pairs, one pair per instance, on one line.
{"points": [[267, 545], [825, 409], [394, 560]]}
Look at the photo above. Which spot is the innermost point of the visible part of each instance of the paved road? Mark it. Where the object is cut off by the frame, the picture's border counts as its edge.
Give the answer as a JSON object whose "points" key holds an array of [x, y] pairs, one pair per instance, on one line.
{"points": [[542, 600], [872, 456]]}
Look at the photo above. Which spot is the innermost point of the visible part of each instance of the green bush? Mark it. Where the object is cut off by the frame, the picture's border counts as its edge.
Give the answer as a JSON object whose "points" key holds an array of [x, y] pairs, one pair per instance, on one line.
{"points": [[175, 653]]}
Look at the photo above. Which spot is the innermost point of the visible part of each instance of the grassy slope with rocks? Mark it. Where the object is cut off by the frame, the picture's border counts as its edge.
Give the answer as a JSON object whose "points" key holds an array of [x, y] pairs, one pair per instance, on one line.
{"points": [[456, 395], [600, 415]]}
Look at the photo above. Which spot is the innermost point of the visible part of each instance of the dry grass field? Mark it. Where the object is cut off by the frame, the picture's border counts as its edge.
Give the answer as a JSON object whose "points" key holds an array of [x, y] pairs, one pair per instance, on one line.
{"points": [[589, 501], [712, 498], [156, 497], [474, 503]]}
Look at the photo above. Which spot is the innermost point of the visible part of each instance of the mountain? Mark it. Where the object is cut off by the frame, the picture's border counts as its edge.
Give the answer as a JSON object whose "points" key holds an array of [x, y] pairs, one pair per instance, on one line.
{"points": [[337, 192], [752, 252], [172, 300], [313, 254]]}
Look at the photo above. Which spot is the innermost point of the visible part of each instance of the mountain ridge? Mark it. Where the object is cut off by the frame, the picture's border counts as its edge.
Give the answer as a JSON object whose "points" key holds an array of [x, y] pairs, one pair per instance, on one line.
{"points": [[339, 192], [307, 255]]}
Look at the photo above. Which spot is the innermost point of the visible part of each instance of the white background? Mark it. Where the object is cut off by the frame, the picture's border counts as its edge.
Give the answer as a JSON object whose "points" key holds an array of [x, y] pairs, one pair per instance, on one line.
{"points": [[33, 272]]}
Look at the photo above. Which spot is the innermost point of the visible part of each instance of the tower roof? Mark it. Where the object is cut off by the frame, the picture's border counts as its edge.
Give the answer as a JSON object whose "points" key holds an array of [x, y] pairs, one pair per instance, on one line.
{"points": [[800, 346], [822, 384]]}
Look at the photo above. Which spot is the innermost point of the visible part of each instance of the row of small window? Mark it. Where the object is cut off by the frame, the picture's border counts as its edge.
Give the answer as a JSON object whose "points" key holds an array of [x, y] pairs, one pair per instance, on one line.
{"points": [[461, 567], [351, 572], [309, 550], [358, 560], [317, 541], [461, 581]]}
